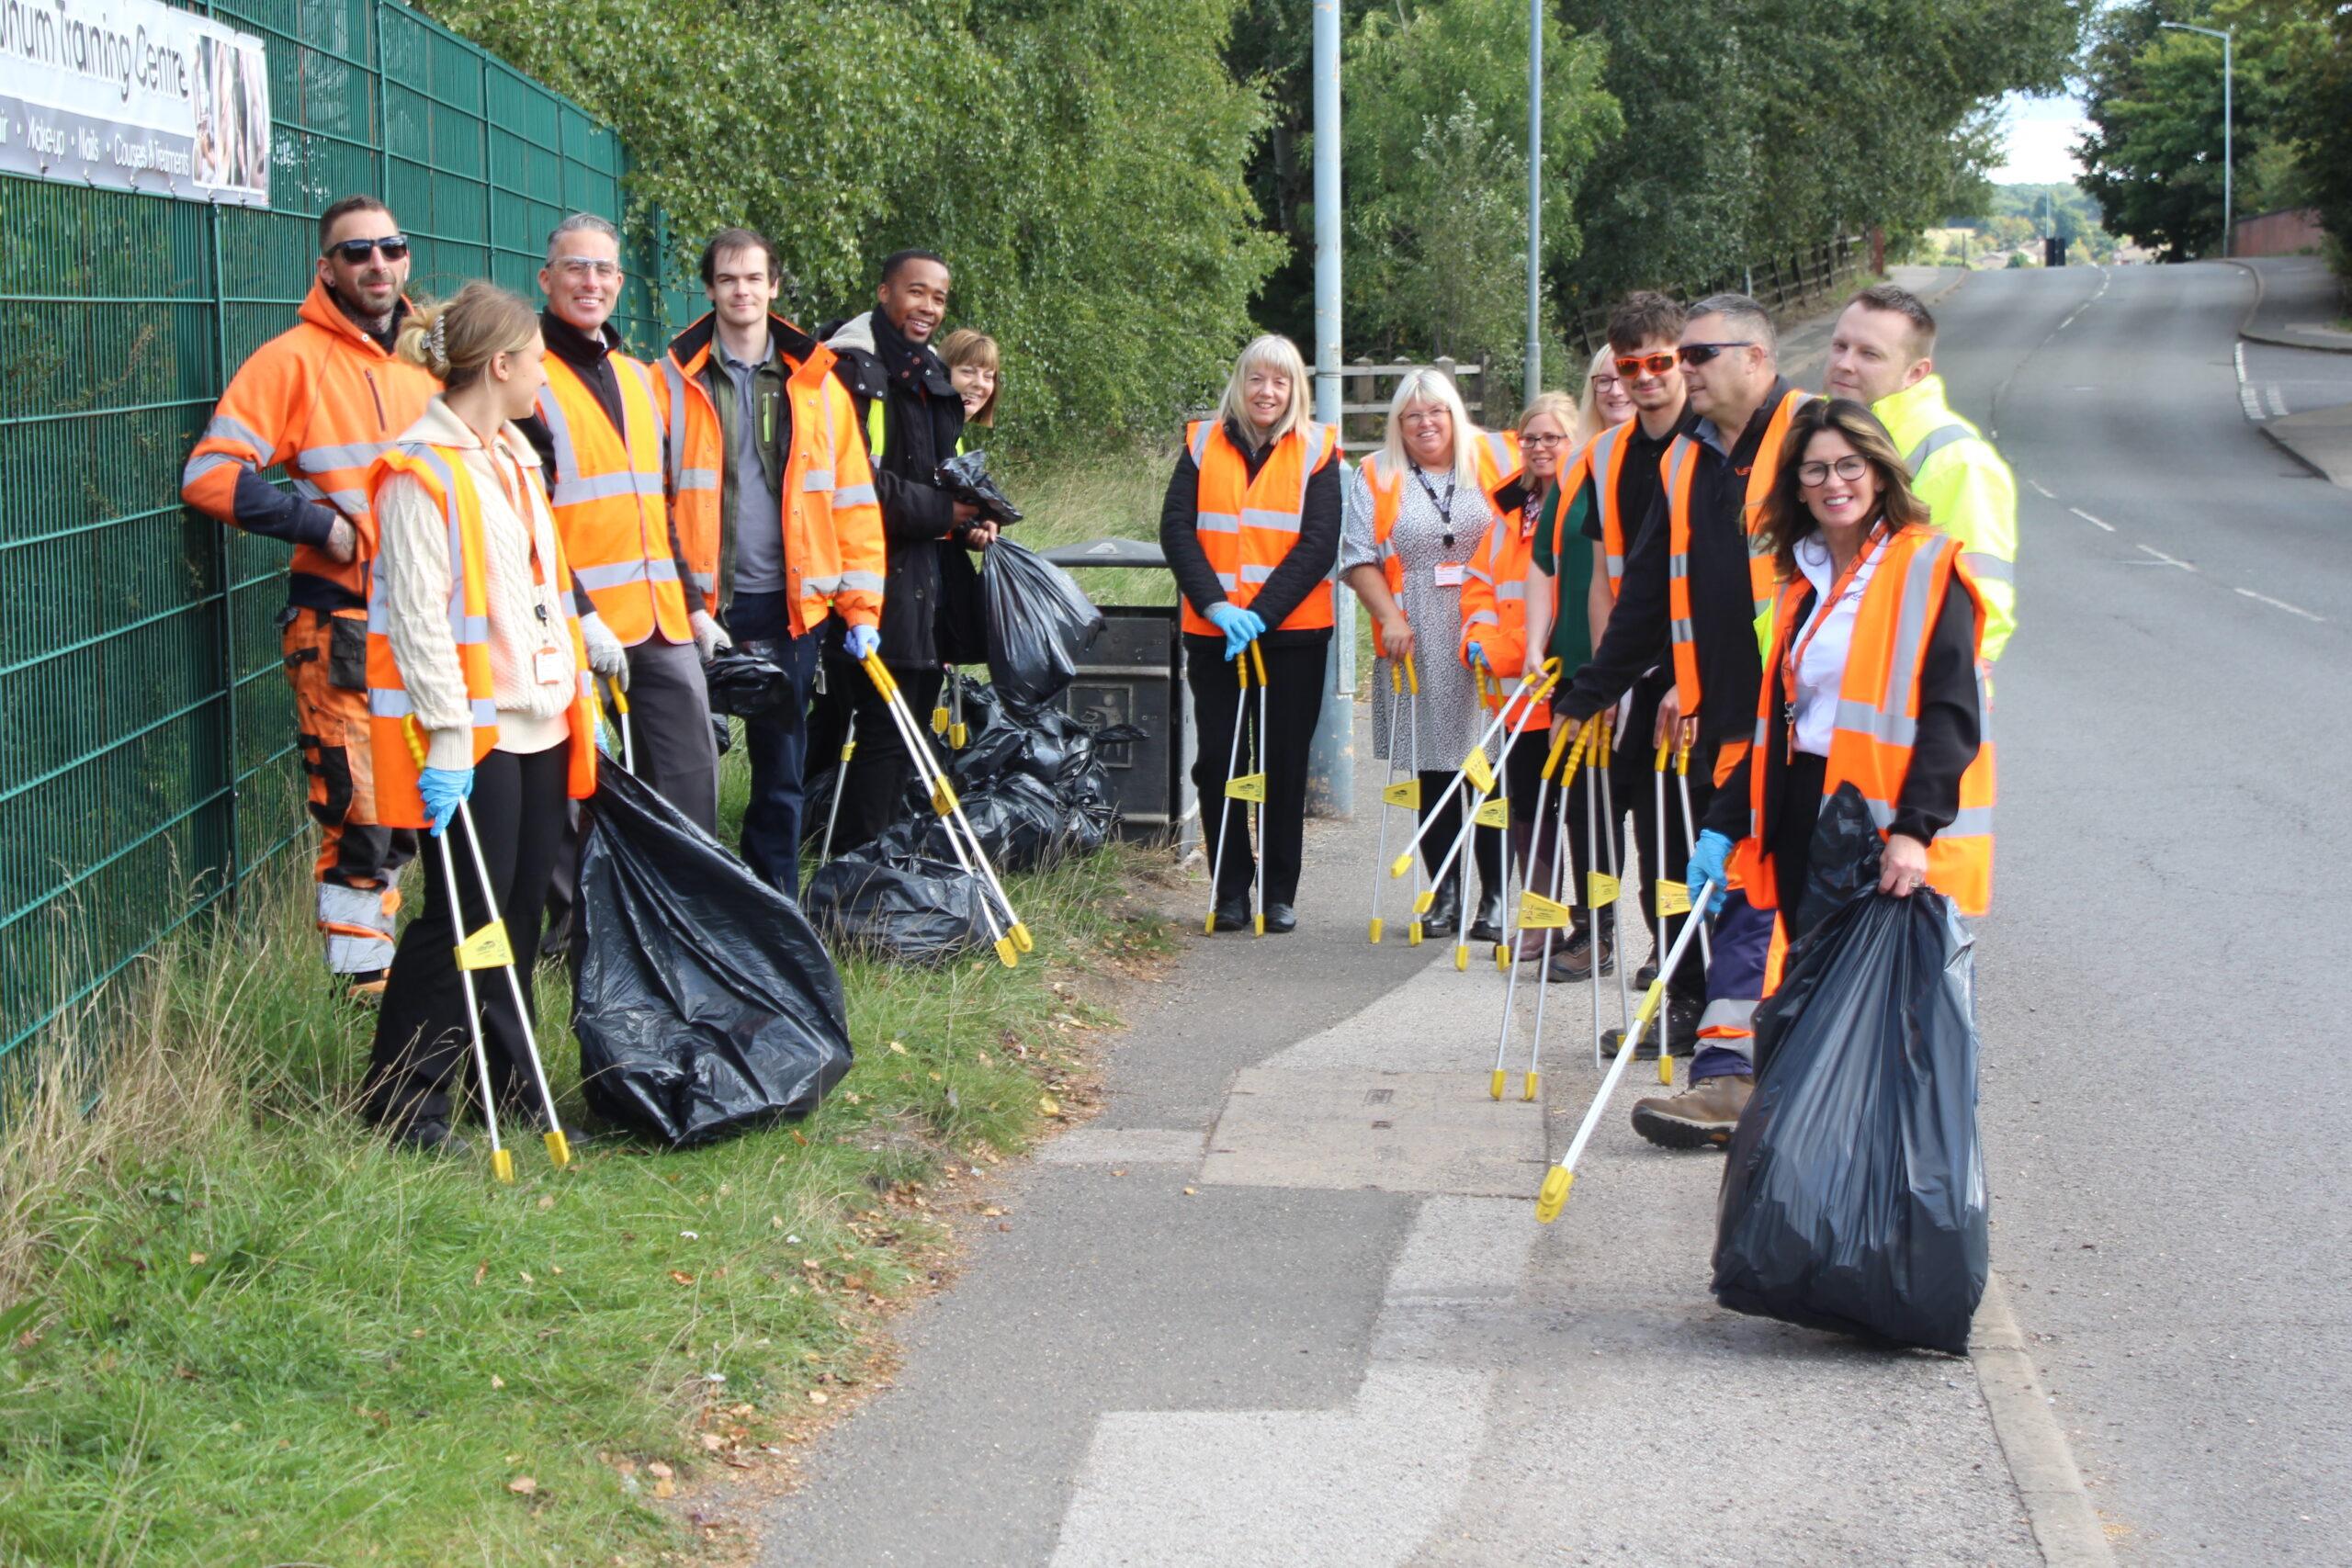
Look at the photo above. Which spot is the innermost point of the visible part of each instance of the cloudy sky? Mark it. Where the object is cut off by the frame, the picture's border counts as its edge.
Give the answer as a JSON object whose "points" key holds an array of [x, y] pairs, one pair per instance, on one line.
{"points": [[2042, 139]]}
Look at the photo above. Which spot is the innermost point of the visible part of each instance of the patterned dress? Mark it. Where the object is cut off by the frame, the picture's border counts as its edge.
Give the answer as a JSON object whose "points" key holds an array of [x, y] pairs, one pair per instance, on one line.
{"points": [[1449, 716]]}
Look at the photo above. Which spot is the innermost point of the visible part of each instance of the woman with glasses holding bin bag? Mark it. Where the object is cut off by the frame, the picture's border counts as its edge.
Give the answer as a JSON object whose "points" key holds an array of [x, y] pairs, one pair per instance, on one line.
{"points": [[1250, 527]]}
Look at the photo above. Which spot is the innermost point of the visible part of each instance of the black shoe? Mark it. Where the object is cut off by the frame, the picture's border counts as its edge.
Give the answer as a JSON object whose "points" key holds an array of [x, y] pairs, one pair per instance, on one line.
{"points": [[1281, 919], [431, 1138], [1646, 974], [1682, 1023], [1487, 925], [1445, 910], [1232, 914]]}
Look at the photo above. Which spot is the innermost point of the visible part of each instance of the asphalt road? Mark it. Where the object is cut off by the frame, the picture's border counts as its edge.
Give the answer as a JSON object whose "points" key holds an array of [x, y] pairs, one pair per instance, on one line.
{"points": [[1283, 1303], [2164, 1109]]}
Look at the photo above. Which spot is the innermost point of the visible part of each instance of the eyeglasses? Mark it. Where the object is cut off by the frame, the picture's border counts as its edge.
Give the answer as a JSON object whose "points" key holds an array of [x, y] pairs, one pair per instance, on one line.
{"points": [[1416, 418], [1541, 440], [1602, 383], [354, 253], [1655, 363], [589, 266], [1813, 476], [1699, 353]]}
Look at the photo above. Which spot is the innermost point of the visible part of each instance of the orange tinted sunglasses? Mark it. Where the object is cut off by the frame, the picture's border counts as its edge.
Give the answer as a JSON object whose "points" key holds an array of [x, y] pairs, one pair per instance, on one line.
{"points": [[1634, 363]]}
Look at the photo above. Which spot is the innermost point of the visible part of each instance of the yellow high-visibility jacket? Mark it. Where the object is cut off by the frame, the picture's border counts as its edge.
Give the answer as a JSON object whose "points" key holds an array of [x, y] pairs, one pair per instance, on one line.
{"points": [[1970, 492]]}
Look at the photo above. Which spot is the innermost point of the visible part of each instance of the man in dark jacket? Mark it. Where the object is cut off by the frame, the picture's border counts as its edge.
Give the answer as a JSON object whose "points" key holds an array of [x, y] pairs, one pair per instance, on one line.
{"points": [[913, 420]]}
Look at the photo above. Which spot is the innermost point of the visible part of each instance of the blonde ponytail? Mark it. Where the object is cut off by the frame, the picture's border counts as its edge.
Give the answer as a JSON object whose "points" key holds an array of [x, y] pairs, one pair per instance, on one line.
{"points": [[455, 339]]}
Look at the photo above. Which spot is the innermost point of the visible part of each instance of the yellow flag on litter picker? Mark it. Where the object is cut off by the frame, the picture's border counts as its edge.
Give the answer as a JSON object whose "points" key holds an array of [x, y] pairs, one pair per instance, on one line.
{"points": [[1406, 793], [1496, 813], [1538, 913], [1247, 786], [486, 949]]}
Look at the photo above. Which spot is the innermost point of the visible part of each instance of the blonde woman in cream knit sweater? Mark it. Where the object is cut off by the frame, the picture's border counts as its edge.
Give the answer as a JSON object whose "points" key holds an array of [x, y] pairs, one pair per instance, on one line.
{"points": [[472, 641]]}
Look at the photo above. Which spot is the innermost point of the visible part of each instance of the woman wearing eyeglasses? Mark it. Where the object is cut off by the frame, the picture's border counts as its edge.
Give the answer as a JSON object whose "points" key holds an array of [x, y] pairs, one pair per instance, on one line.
{"points": [[1872, 680], [1418, 514], [1606, 399]]}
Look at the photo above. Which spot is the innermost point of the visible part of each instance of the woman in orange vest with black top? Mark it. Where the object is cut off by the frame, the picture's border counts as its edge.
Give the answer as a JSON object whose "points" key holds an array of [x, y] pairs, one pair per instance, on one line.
{"points": [[1251, 527], [1871, 678], [1418, 514], [474, 649]]}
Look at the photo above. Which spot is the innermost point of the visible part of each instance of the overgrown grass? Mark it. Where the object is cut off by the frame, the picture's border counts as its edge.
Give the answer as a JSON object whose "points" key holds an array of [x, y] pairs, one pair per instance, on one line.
{"points": [[1116, 492], [240, 1330]]}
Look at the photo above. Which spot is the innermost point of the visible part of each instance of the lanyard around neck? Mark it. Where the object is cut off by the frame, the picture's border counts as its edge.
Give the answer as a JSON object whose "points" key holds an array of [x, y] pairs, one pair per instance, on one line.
{"points": [[1824, 608]]}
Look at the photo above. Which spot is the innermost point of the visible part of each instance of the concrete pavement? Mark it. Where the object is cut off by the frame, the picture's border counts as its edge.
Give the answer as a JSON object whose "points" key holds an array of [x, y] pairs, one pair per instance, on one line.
{"points": [[2294, 366]]}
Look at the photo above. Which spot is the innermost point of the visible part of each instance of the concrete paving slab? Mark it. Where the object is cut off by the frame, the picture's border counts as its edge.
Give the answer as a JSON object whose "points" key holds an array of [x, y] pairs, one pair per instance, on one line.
{"points": [[1389, 1132]]}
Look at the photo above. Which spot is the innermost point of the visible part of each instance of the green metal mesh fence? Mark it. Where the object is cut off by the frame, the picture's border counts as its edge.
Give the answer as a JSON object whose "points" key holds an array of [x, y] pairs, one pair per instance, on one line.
{"points": [[146, 733]]}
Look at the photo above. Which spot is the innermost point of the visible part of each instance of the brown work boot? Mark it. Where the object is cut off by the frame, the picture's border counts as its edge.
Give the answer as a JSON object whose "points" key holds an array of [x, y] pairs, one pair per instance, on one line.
{"points": [[1573, 961], [1702, 1116]]}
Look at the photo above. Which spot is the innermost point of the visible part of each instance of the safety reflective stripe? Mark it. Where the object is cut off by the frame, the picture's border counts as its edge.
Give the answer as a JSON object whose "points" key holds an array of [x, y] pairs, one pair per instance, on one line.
{"points": [[1516, 589], [567, 457], [391, 701], [361, 909], [860, 582], [1256, 571], [816, 480], [204, 463], [1681, 631], [1227, 581], [465, 629], [1934, 442], [675, 449], [855, 495], [815, 584], [1968, 822], [694, 479], [350, 502], [1728, 1015], [1199, 443], [222, 427], [621, 573], [1480, 573], [1217, 523], [351, 455], [1911, 624], [1272, 522], [1991, 567], [1498, 448], [702, 583], [1882, 725], [629, 481], [1483, 617]]}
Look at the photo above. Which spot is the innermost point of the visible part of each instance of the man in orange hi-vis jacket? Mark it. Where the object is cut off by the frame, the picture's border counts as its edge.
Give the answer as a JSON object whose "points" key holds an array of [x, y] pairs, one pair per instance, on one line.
{"points": [[321, 400]]}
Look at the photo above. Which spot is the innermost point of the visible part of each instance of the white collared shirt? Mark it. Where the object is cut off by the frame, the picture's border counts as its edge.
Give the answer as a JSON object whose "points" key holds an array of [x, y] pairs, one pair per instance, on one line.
{"points": [[1822, 670]]}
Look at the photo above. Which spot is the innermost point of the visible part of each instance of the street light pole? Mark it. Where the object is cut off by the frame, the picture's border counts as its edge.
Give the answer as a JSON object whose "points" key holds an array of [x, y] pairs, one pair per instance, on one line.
{"points": [[1534, 199], [2229, 162]]}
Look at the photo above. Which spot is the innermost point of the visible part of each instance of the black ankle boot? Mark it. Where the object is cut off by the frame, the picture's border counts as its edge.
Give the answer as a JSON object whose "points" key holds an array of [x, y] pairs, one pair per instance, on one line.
{"points": [[1487, 925], [1445, 910]]}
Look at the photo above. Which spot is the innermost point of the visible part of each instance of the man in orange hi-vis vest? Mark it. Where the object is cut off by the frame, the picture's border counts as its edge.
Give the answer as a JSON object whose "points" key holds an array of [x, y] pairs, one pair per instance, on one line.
{"points": [[321, 400]]}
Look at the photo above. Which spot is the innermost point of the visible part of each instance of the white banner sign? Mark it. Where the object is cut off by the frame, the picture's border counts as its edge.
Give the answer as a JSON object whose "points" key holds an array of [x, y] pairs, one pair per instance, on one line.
{"points": [[135, 96]]}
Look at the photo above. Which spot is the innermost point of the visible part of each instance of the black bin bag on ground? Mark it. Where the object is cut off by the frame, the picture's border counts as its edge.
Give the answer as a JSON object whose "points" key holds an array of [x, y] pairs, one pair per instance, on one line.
{"points": [[901, 906], [1022, 825], [701, 998], [1040, 621], [1854, 1196]]}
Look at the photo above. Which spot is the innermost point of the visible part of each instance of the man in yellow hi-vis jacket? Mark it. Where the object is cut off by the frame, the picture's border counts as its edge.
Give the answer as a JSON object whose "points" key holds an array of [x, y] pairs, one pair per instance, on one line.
{"points": [[1883, 353]]}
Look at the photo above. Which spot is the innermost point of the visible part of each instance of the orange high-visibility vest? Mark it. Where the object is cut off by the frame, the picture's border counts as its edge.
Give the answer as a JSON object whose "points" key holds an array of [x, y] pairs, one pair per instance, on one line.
{"points": [[1678, 466], [443, 474], [1496, 454], [608, 503], [1494, 602], [1247, 526], [830, 517], [1601, 461], [323, 399], [1878, 717]]}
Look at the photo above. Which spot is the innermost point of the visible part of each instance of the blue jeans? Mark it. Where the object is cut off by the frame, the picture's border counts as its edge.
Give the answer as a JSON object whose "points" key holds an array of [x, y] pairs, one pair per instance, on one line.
{"points": [[776, 742]]}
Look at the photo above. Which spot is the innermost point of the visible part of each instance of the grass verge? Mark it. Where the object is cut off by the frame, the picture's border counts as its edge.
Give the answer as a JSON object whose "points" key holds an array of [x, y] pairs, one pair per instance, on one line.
{"points": [[240, 1330]]}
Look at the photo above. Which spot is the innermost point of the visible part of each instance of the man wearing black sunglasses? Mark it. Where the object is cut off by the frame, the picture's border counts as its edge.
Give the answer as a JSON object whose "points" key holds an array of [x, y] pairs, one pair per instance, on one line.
{"points": [[1691, 590], [321, 399]]}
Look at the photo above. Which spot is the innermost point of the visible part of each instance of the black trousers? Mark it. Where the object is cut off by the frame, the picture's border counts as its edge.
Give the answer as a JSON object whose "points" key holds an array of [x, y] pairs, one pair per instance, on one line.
{"points": [[1293, 703], [1791, 835], [874, 795], [422, 1041], [777, 743]]}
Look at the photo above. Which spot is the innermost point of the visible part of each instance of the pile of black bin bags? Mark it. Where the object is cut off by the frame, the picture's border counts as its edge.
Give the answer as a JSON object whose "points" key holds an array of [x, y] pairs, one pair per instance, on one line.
{"points": [[1033, 784]]}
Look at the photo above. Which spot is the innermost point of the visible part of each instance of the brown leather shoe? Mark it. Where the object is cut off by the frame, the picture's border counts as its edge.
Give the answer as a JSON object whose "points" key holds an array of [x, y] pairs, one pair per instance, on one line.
{"points": [[1700, 1117]]}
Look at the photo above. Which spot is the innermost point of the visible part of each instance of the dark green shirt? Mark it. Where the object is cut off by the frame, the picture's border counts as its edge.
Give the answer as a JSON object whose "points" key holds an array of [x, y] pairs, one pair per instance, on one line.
{"points": [[1571, 641]]}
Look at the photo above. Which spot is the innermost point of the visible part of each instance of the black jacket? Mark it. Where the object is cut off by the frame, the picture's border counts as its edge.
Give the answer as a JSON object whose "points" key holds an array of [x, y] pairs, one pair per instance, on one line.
{"points": [[1308, 562], [922, 419], [1950, 729]]}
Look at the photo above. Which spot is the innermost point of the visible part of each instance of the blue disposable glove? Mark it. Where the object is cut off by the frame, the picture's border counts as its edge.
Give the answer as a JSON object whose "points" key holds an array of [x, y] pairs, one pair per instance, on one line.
{"points": [[1478, 658], [1709, 857], [861, 641], [444, 789], [1241, 627]]}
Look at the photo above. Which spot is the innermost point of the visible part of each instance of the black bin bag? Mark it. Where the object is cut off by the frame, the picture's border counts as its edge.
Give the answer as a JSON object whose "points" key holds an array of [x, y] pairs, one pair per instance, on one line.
{"points": [[1853, 1196], [703, 1000], [1040, 621], [901, 906]]}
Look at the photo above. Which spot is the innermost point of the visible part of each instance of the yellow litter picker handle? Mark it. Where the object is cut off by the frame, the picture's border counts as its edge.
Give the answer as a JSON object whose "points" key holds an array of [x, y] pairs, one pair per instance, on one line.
{"points": [[1412, 676], [1258, 657]]}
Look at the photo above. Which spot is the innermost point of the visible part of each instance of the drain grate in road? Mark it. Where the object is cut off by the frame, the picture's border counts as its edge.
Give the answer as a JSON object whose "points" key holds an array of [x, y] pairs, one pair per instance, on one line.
{"points": [[1426, 1133]]}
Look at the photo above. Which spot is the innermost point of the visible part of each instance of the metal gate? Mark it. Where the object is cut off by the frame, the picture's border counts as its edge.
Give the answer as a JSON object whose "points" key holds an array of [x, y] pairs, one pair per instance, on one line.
{"points": [[147, 763]]}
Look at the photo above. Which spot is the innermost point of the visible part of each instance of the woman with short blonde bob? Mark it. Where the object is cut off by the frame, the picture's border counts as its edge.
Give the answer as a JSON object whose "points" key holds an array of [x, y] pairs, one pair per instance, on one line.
{"points": [[474, 652], [1419, 512], [1251, 526]]}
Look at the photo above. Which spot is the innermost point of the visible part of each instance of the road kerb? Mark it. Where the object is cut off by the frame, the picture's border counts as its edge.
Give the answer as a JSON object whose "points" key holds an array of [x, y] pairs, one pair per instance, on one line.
{"points": [[2065, 1525], [2246, 328]]}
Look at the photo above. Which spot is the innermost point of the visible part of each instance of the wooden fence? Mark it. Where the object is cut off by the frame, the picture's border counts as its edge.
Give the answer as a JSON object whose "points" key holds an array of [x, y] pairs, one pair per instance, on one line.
{"points": [[1783, 285], [1365, 390]]}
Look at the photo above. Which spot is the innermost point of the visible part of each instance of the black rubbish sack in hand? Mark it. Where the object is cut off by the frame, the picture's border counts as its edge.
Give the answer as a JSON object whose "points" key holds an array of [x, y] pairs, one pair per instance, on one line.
{"points": [[1854, 1196], [701, 998], [745, 684], [901, 906], [966, 477], [1039, 621]]}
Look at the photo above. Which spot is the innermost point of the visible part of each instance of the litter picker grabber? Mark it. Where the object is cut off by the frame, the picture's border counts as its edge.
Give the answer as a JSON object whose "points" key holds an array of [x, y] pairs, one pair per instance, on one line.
{"points": [[1691, 836], [841, 782], [1563, 1176], [489, 949], [1490, 811], [1604, 898], [959, 734], [1596, 882], [620, 710], [1669, 897], [1248, 788], [1010, 937], [1474, 766], [1404, 690], [1257, 796], [1537, 911]]}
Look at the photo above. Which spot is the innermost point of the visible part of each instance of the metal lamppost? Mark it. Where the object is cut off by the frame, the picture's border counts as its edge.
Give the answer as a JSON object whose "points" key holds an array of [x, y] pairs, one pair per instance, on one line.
{"points": [[1534, 199], [2228, 163]]}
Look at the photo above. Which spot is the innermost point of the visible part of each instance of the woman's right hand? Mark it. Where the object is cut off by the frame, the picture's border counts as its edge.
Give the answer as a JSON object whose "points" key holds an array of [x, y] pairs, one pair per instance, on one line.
{"points": [[1397, 637]]}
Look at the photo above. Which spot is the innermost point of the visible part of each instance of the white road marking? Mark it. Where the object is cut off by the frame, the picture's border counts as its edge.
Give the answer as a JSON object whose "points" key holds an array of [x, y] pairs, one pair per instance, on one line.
{"points": [[2280, 604], [2083, 514], [2249, 398], [2163, 559], [2277, 400], [2038, 491]]}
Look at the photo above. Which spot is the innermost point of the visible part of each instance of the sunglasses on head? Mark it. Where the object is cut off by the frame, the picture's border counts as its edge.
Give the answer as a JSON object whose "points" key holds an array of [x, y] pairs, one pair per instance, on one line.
{"points": [[1699, 353], [1637, 363], [356, 251]]}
